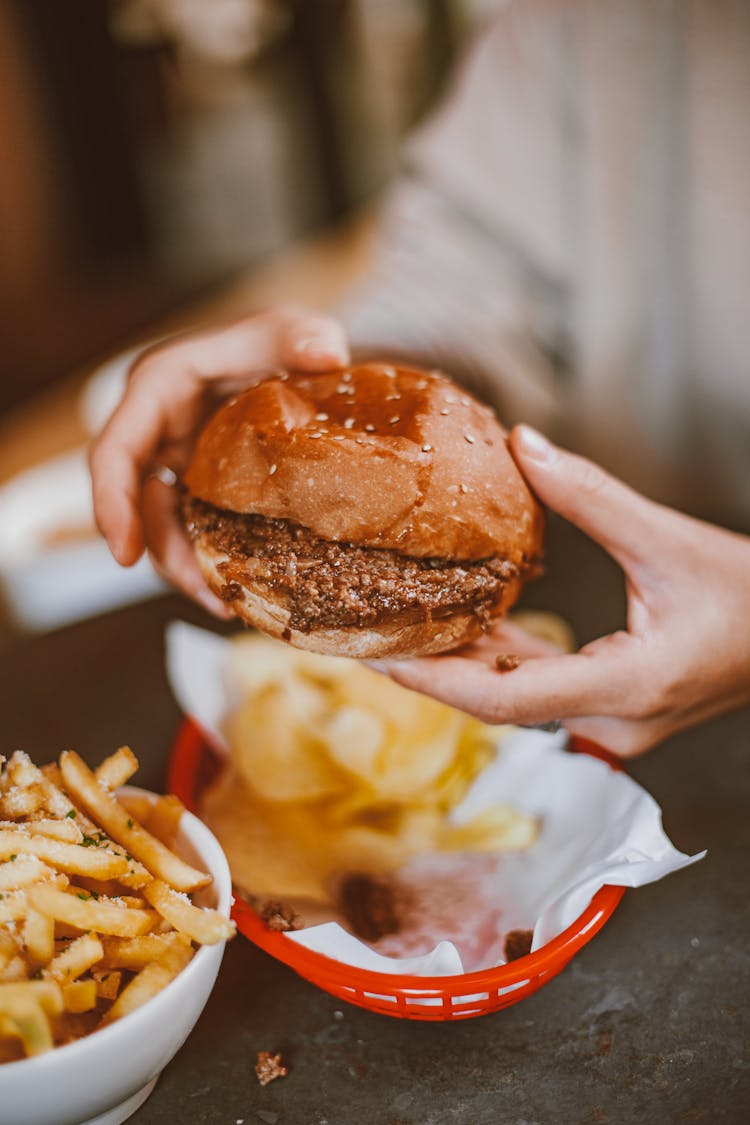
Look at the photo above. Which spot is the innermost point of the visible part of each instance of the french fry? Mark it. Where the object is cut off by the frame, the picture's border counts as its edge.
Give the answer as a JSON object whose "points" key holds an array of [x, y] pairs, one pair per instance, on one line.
{"points": [[79, 956], [159, 860], [107, 983], [70, 949], [59, 803], [117, 769], [97, 862], [81, 910], [55, 801], [24, 1008], [17, 802], [13, 906], [147, 983], [131, 900], [136, 953], [163, 820], [23, 871], [204, 926], [27, 1019], [14, 970], [79, 995], [45, 993], [21, 771], [135, 805], [39, 937], [65, 830]]}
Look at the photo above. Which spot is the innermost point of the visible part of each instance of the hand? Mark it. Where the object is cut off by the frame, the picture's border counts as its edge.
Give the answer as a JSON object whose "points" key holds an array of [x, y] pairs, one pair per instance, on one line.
{"points": [[685, 656], [171, 391]]}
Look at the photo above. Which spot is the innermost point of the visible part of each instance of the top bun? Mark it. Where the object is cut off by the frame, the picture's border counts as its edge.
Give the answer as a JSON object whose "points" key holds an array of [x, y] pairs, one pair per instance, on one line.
{"points": [[377, 455]]}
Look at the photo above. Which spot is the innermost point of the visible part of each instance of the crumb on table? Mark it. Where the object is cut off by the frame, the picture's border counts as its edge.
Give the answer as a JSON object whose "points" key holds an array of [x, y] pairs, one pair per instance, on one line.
{"points": [[506, 662], [269, 1066]]}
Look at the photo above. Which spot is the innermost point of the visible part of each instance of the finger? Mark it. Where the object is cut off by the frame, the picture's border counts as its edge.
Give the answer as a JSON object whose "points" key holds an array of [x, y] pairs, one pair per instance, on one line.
{"points": [[166, 399], [314, 343], [170, 549], [116, 491], [505, 637], [622, 521], [624, 737], [538, 691]]}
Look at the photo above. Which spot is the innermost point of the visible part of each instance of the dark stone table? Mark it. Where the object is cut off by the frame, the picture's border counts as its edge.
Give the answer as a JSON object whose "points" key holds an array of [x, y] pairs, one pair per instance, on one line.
{"points": [[648, 1024]]}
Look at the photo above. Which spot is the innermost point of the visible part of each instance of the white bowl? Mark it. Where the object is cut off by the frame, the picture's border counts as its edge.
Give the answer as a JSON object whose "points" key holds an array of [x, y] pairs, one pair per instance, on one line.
{"points": [[104, 1078]]}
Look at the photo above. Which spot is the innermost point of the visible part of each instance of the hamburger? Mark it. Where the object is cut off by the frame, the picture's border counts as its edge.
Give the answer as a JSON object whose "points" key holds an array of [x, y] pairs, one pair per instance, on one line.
{"points": [[366, 512]]}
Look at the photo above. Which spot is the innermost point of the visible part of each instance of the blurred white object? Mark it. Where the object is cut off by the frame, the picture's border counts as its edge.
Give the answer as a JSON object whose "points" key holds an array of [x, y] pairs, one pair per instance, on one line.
{"points": [[103, 391], [53, 568]]}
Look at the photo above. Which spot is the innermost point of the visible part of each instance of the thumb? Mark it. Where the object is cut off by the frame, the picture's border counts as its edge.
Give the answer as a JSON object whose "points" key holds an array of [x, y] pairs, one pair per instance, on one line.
{"points": [[621, 520]]}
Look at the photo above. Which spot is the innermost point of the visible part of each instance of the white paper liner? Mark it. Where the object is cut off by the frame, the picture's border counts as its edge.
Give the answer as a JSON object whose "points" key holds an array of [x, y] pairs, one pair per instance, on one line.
{"points": [[598, 827]]}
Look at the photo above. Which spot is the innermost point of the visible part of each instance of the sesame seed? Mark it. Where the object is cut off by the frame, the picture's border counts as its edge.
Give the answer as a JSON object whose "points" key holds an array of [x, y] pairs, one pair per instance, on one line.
{"points": [[346, 377], [321, 417], [272, 470], [464, 401], [469, 438], [426, 447], [462, 488], [392, 398], [444, 411], [348, 423], [396, 418], [315, 433], [421, 384], [338, 437], [342, 390], [369, 428]]}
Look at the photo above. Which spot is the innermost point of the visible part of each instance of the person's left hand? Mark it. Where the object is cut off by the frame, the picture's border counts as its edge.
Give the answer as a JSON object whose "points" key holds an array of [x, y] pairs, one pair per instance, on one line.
{"points": [[684, 657]]}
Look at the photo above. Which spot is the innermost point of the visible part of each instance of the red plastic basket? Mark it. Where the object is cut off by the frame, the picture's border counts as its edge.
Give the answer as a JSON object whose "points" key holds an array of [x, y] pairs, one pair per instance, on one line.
{"points": [[193, 765]]}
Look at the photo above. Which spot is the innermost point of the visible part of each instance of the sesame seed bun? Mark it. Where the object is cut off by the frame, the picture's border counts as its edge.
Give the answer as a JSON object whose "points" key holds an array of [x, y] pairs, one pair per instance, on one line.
{"points": [[381, 458]]}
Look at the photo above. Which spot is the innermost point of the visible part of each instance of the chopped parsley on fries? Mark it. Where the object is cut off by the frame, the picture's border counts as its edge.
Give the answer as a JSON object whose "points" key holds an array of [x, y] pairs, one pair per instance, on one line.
{"points": [[95, 917]]}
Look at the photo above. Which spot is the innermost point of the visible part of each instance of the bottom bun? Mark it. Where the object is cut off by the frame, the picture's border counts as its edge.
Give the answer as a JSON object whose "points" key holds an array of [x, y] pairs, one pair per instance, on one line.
{"points": [[256, 606]]}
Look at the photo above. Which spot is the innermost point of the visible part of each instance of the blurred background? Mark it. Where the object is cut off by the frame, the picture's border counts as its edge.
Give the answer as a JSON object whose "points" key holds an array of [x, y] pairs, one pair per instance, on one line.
{"points": [[158, 147], [167, 163], [175, 163]]}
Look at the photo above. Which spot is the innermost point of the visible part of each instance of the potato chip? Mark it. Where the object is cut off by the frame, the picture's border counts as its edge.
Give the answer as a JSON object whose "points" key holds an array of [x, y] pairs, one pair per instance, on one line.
{"points": [[279, 755], [338, 768]]}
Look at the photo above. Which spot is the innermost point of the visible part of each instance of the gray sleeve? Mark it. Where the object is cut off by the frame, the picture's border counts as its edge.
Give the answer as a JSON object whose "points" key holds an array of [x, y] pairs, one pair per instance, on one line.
{"points": [[470, 260], [448, 292]]}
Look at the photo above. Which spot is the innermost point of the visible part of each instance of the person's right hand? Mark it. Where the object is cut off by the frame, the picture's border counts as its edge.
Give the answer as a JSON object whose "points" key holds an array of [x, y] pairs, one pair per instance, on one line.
{"points": [[171, 391]]}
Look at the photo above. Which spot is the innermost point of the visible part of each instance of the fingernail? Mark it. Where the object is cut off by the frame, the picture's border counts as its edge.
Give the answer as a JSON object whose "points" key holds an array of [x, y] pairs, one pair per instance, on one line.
{"points": [[213, 604], [533, 444], [121, 552], [326, 342]]}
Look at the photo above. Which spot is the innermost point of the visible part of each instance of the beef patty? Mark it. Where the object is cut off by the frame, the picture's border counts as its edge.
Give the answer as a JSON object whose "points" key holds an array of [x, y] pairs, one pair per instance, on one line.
{"points": [[334, 585]]}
